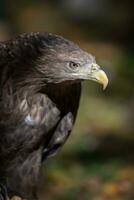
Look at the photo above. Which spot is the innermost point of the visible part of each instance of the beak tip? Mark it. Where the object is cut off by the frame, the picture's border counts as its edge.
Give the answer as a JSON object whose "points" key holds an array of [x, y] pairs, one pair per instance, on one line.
{"points": [[105, 85]]}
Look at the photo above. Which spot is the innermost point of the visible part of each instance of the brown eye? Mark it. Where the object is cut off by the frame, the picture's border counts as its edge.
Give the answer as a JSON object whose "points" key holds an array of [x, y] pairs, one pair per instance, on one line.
{"points": [[73, 65]]}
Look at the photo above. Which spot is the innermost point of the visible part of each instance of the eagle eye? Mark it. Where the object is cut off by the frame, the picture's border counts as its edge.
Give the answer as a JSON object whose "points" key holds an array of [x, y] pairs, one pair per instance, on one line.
{"points": [[73, 65]]}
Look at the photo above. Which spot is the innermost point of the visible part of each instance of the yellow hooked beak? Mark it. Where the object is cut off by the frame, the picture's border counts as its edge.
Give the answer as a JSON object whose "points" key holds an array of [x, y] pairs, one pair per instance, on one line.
{"points": [[100, 77]]}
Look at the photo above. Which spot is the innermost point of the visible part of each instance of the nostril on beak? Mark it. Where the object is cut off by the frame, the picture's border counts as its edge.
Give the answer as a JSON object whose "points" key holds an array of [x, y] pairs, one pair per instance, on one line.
{"points": [[94, 66]]}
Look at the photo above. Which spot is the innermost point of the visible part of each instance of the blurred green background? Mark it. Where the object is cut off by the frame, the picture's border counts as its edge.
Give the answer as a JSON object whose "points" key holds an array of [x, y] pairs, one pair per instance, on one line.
{"points": [[97, 162]]}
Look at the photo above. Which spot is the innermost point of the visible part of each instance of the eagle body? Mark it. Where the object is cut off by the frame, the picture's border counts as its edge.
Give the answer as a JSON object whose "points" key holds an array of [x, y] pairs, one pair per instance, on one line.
{"points": [[40, 87], [35, 118]]}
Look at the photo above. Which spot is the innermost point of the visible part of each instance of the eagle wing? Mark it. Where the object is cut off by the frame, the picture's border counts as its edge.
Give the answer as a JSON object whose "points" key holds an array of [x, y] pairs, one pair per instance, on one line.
{"points": [[27, 125]]}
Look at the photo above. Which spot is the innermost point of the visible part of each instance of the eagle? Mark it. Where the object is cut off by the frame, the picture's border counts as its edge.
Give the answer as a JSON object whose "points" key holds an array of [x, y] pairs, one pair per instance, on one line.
{"points": [[40, 88]]}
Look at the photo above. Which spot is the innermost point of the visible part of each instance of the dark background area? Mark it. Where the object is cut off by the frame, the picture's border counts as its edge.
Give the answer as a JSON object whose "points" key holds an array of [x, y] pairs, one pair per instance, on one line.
{"points": [[97, 162]]}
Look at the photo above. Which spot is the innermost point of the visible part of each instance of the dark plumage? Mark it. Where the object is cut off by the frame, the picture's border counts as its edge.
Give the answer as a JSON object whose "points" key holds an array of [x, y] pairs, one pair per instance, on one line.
{"points": [[40, 76]]}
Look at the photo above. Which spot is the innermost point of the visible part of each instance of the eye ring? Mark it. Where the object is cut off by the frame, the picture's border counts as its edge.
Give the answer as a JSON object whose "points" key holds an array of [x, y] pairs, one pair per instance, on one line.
{"points": [[73, 65]]}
